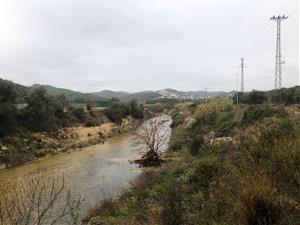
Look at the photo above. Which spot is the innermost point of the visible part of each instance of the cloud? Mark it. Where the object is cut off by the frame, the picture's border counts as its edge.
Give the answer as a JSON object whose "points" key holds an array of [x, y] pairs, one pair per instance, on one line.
{"points": [[137, 44]]}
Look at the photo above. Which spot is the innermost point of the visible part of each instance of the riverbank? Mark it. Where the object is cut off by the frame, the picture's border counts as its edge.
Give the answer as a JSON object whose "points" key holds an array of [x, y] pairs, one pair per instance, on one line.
{"points": [[93, 172], [38, 145], [231, 165]]}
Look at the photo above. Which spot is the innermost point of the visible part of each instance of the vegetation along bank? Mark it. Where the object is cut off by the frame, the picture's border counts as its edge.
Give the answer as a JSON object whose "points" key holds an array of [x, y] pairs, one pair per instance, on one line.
{"points": [[230, 165], [34, 123]]}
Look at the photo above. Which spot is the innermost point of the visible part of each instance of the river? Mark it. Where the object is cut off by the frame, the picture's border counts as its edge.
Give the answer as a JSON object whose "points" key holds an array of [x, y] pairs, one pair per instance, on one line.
{"points": [[95, 171]]}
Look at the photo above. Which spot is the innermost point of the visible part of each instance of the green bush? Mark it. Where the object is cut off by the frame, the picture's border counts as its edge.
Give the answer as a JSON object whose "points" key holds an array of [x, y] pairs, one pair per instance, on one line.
{"points": [[136, 110], [195, 144], [8, 96], [178, 139], [79, 114], [264, 206], [257, 113], [225, 123], [204, 172], [177, 119], [173, 206], [117, 110], [276, 132], [252, 98]]}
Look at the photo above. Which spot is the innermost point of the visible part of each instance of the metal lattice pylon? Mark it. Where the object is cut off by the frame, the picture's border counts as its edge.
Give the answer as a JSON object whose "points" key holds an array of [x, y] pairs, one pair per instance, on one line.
{"points": [[242, 75], [278, 60]]}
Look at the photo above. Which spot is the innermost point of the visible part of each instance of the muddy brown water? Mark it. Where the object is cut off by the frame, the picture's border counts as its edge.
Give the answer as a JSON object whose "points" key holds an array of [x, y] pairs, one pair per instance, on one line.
{"points": [[94, 172]]}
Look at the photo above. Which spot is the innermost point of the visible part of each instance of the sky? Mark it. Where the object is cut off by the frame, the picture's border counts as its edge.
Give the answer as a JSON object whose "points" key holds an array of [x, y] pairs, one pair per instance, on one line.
{"points": [[134, 45]]}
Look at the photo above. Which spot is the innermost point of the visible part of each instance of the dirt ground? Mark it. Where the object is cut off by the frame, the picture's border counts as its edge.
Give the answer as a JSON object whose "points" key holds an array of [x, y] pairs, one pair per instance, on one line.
{"points": [[85, 133]]}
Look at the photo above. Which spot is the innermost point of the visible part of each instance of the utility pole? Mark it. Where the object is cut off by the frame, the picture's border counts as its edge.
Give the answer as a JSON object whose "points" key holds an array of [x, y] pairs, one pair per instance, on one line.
{"points": [[206, 95], [278, 61], [242, 75], [237, 89]]}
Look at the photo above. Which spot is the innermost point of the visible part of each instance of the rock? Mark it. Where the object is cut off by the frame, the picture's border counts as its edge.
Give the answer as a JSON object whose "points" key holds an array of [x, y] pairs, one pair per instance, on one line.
{"points": [[97, 221], [209, 138], [223, 139], [189, 121], [3, 148], [3, 166], [41, 153], [51, 151]]}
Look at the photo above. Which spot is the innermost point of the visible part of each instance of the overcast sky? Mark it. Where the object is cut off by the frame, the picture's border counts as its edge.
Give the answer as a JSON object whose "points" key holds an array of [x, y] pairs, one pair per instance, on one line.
{"points": [[133, 45]]}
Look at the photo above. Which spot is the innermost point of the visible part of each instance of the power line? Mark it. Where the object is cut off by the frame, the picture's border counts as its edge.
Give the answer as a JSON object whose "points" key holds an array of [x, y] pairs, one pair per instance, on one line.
{"points": [[237, 89], [278, 61], [242, 75]]}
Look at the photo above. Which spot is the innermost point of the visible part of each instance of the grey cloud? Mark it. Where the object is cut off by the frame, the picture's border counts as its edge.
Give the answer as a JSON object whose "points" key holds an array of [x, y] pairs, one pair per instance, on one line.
{"points": [[131, 45]]}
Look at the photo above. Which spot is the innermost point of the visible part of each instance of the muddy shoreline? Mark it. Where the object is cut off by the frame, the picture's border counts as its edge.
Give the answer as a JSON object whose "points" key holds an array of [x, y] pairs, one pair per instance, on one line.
{"points": [[70, 139]]}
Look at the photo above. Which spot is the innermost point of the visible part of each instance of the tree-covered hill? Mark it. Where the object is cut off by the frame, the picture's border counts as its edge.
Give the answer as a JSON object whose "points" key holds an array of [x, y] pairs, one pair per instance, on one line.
{"points": [[70, 95], [141, 96], [111, 94]]}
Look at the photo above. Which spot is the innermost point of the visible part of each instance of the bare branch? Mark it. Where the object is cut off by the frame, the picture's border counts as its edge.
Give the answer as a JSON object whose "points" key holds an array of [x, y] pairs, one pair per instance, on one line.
{"points": [[37, 201], [152, 138]]}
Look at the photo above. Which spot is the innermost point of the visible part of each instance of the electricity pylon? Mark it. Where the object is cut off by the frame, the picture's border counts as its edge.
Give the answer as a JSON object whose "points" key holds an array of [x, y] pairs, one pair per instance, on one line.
{"points": [[242, 75], [278, 61], [237, 89]]}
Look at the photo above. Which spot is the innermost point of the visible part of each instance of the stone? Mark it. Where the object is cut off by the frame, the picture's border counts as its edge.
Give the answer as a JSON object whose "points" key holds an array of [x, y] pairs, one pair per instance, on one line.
{"points": [[3, 148], [209, 138], [3, 166], [97, 221]]}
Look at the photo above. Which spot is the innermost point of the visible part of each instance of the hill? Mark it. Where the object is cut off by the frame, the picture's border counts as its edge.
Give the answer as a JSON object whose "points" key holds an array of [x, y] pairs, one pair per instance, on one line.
{"points": [[172, 93], [70, 95], [164, 93], [103, 96], [141, 96], [111, 94], [20, 90]]}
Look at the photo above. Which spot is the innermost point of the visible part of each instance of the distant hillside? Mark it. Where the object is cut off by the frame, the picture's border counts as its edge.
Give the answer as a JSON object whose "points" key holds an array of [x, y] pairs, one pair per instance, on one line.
{"points": [[126, 96], [141, 96], [111, 94], [21, 91], [172, 93], [165, 93], [105, 95], [71, 95]]}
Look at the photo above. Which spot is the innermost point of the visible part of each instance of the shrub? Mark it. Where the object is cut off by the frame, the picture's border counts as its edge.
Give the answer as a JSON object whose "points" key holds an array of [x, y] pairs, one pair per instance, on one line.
{"points": [[178, 139], [117, 110], [79, 114], [253, 97], [204, 172], [263, 205], [195, 144], [225, 123], [136, 110], [172, 199], [8, 97], [258, 113], [203, 122], [276, 132]]}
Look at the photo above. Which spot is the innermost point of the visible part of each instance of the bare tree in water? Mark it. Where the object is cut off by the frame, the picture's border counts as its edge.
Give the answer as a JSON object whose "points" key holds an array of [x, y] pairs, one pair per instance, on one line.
{"points": [[38, 202], [150, 139]]}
